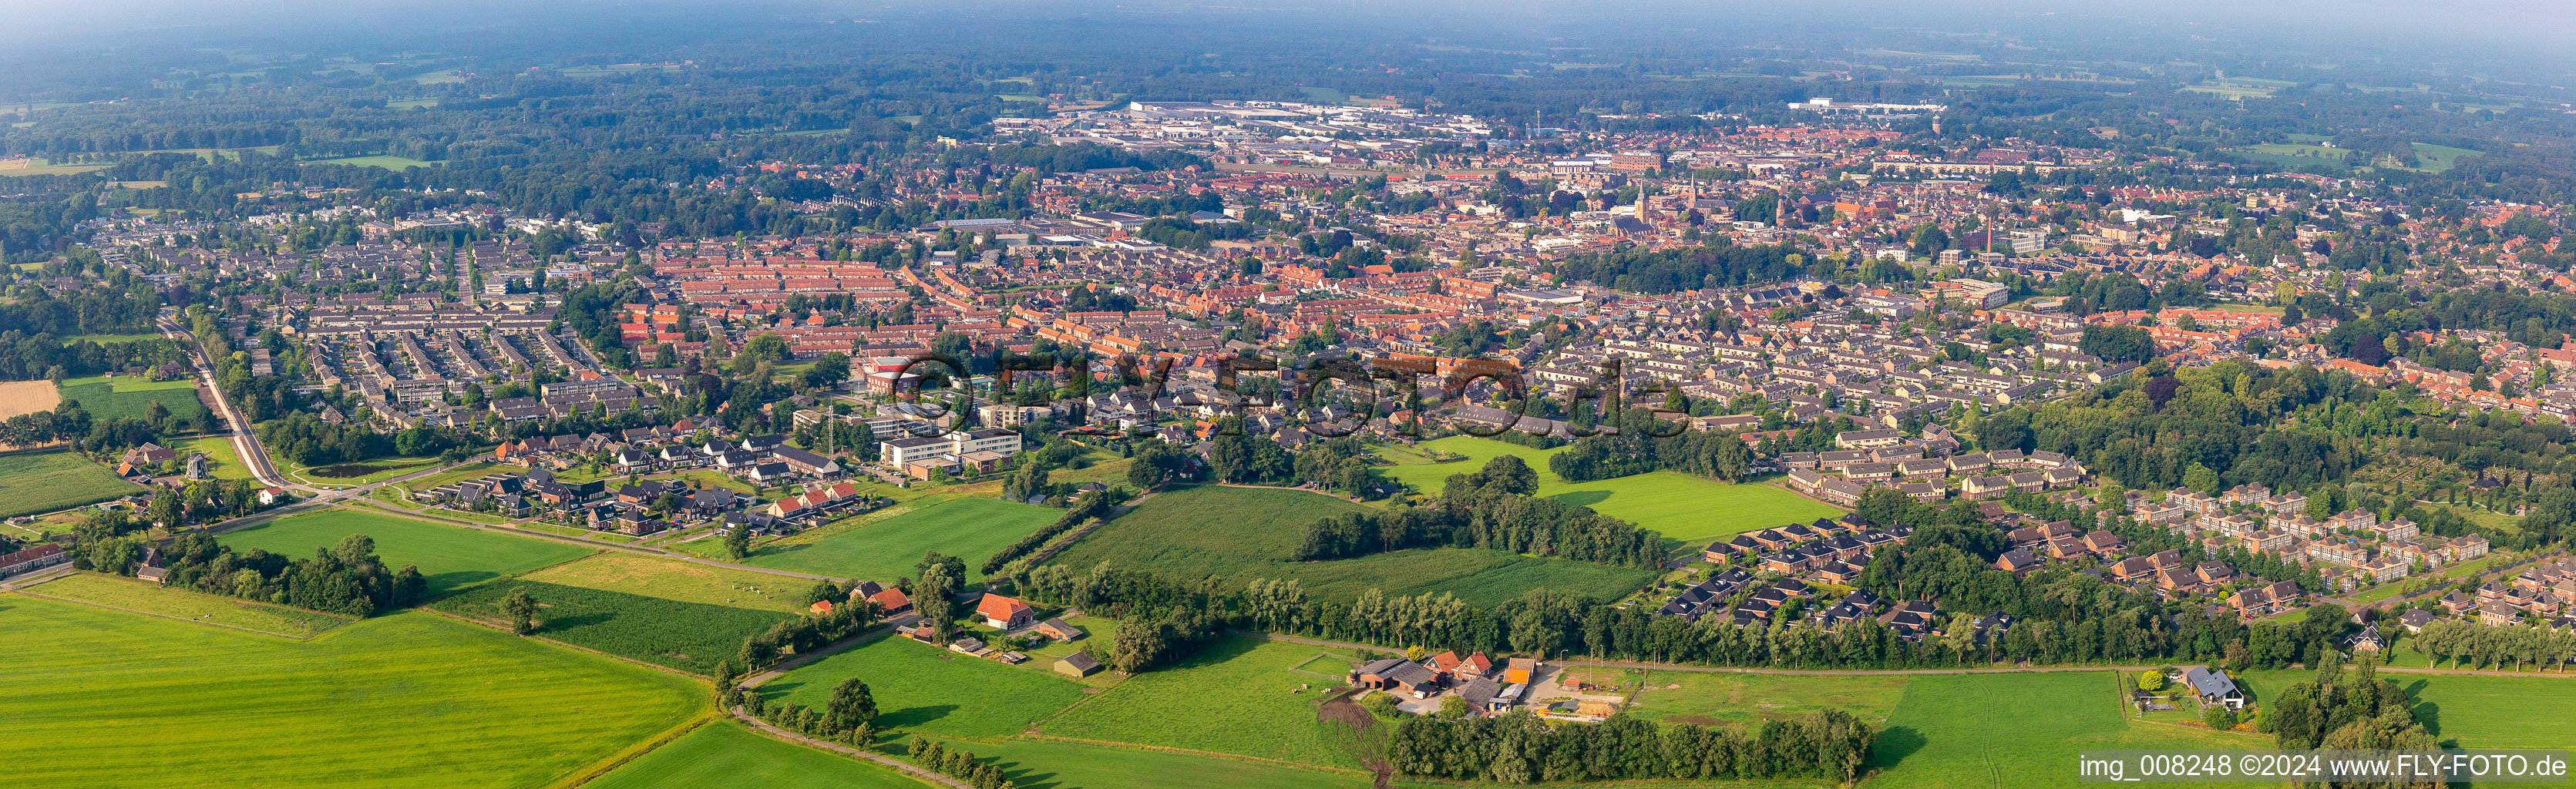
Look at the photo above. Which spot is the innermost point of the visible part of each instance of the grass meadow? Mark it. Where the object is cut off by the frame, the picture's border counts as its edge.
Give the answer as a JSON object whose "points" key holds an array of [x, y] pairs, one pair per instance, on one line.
{"points": [[886, 549], [49, 481], [1054, 764], [120, 592], [677, 580], [406, 701], [225, 463], [2006, 731], [1247, 533], [131, 397], [1745, 700], [725, 755], [2469, 711], [452, 557], [1684, 507], [928, 689], [1239, 696], [687, 636]]}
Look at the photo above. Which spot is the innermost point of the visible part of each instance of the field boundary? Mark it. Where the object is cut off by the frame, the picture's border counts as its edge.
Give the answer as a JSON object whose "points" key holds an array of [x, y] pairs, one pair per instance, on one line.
{"points": [[633, 752], [575, 647], [24, 591], [908, 769]]}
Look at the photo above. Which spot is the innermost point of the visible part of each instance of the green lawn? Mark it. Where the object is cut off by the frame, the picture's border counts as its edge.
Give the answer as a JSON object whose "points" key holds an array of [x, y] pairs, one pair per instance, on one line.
{"points": [[403, 701], [48, 481], [386, 162], [677, 634], [116, 591], [1240, 696], [1688, 508], [131, 397], [928, 689], [1247, 533], [106, 339], [226, 464], [453, 557], [883, 550], [2015, 730], [2471, 711], [725, 755]]}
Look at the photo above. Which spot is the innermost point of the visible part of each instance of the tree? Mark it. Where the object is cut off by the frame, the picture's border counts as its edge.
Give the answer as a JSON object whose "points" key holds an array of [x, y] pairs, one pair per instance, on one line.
{"points": [[522, 610], [852, 707], [737, 542], [2151, 680], [1135, 646]]}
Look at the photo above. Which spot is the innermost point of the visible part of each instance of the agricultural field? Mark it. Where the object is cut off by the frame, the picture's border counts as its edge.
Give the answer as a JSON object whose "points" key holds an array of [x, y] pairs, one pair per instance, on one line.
{"points": [[131, 397], [687, 636], [23, 166], [2014, 730], [145, 597], [1244, 696], [725, 755], [2468, 711], [677, 580], [1055, 764], [27, 397], [1247, 533], [48, 481], [223, 463], [452, 557], [405, 701], [883, 549], [396, 163], [928, 689], [1711, 699], [1684, 507]]}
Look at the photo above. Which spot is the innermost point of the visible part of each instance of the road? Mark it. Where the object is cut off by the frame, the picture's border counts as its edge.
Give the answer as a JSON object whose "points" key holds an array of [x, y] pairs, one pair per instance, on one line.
{"points": [[245, 445]]}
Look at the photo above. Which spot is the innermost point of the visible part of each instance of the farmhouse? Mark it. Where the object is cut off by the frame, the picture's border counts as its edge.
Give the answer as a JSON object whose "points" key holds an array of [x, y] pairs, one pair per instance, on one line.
{"points": [[1003, 612]]}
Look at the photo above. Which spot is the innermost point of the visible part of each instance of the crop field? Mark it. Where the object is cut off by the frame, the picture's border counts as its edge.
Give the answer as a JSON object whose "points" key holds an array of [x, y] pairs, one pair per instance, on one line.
{"points": [[405, 701], [686, 636], [1711, 699], [1684, 507], [1241, 696], [929, 689], [677, 580], [224, 462], [119, 592], [2014, 730], [131, 397], [725, 755], [453, 557], [27, 397], [883, 550], [1247, 533], [48, 481], [1054, 764]]}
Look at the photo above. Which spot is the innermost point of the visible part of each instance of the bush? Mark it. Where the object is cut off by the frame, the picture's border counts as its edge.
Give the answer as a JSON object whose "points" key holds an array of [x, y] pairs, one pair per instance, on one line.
{"points": [[2151, 680]]}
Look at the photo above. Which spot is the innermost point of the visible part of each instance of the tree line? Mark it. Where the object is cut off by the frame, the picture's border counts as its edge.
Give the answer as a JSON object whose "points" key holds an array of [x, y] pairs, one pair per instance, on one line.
{"points": [[1721, 455], [1491, 508], [345, 578]]}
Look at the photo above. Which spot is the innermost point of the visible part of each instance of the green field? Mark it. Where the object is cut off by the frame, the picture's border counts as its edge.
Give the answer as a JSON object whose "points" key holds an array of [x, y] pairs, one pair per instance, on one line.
{"points": [[225, 463], [725, 755], [1240, 696], [1051, 764], [2015, 730], [43, 167], [386, 162], [109, 339], [453, 557], [48, 481], [883, 550], [923, 688], [686, 582], [2471, 711], [682, 635], [131, 397], [395, 702], [1711, 699], [1247, 533], [114, 591], [2437, 158], [1684, 507]]}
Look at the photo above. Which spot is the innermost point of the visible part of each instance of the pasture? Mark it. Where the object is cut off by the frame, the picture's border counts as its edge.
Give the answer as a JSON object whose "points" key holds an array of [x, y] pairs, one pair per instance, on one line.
{"points": [[1684, 507], [928, 689], [2468, 711], [27, 397], [145, 597], [1742, 700], [131, 397], [1240, 696], [725, 755], [2014, 730], [48, 481], [1247, 533], [687, 636], [886, 549], [452, 557], [1055, 764], [395, 163], [677, 580], [406, 701]]}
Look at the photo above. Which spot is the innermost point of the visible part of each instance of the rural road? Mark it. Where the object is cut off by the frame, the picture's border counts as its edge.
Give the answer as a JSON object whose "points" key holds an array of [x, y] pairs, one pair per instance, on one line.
{"points": [[835, 747]]}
